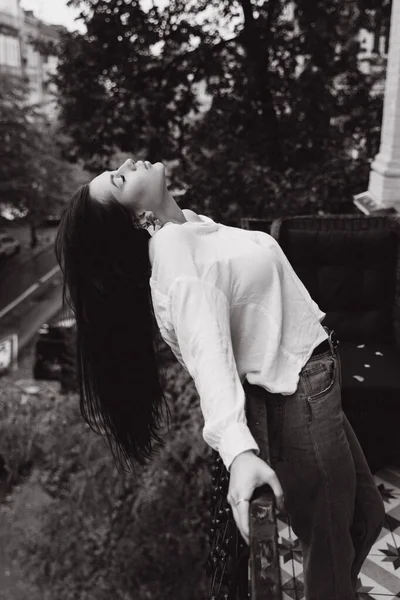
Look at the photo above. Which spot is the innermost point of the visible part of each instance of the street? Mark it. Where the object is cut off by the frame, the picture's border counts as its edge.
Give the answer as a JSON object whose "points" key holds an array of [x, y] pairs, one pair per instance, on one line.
{"points": [[21, 274], [30, 292]]}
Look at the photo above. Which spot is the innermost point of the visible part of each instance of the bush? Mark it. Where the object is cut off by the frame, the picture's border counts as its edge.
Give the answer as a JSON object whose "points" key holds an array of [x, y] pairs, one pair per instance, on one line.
{"points": [[103, 534]]}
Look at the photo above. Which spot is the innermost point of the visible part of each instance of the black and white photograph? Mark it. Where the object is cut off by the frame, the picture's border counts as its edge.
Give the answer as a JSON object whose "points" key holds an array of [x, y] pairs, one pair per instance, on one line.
{"points": [[199, 299]]}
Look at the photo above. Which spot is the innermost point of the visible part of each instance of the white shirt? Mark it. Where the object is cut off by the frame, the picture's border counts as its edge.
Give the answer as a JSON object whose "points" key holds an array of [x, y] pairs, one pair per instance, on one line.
{"points": [[230, 306]]}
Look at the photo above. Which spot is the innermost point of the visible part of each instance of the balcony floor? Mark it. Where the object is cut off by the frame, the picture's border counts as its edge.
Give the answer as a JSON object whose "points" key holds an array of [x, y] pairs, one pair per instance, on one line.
{"points": [[380, 576]]}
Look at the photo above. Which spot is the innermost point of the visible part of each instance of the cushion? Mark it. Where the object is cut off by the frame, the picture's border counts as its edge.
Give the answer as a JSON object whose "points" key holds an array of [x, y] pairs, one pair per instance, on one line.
{"points": [[371, 399], [370, 367], [350, 275]]}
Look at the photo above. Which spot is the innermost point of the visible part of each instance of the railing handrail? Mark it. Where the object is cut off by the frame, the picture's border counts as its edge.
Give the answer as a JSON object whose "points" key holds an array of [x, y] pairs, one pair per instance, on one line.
{"points": [[265, 572]]}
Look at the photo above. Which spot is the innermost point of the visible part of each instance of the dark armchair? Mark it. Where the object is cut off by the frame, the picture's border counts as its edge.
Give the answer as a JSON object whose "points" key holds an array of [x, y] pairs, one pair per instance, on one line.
{"points": [[350, 264]]}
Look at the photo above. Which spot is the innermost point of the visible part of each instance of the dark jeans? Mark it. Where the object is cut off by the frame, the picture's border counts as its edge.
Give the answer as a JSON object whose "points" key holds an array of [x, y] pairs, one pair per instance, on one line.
{"points": [[334, 506]]}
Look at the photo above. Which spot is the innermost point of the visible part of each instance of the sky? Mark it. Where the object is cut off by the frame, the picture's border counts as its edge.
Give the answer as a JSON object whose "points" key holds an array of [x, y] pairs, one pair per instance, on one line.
{"points": [[55, 12]]}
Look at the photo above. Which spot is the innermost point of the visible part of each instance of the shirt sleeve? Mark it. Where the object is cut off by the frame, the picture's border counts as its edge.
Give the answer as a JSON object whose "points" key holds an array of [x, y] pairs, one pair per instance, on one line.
{"points": [[199, 313]]}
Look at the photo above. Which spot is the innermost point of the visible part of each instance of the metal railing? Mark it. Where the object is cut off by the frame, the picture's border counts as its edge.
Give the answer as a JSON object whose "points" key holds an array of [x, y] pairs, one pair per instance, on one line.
{"points": [[238, 571], [259, 224]]}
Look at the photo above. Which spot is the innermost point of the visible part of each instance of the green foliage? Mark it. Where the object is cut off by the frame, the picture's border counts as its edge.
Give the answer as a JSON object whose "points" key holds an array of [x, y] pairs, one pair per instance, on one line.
{"points": [[289, 108], [101, 533], [116, 94], [34, 176], [19, 140], [258, 191]]}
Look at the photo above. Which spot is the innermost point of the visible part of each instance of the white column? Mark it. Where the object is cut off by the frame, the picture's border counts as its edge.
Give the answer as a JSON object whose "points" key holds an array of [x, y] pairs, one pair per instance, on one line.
{"points": [[384, 181]]}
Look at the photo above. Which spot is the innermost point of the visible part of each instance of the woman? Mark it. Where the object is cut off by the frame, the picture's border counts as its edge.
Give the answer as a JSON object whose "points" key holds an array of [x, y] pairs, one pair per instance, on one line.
{"points": [[236, 316]]}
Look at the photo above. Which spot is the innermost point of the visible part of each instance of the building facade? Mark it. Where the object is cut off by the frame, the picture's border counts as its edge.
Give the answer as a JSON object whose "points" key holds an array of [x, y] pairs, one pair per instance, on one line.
{"points": [[19, 29], [10, 37]]}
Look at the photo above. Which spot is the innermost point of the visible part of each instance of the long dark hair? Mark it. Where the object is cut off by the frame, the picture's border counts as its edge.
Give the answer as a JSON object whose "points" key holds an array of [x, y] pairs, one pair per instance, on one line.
{"points": [[104, 257]]}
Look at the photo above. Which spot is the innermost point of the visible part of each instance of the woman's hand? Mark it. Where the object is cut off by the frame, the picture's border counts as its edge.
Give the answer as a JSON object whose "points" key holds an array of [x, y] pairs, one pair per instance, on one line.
{"points": [[248, 472]]}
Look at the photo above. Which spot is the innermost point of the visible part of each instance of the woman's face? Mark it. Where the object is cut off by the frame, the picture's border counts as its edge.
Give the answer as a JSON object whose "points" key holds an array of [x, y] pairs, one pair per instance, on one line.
{"points": [[140, 186]]}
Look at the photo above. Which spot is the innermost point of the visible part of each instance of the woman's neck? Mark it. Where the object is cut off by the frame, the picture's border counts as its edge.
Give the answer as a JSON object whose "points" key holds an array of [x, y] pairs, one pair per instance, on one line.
{"points": [[170, 211]]}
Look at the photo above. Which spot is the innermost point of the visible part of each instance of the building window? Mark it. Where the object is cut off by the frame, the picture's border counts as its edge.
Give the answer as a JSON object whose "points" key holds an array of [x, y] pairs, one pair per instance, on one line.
{"points": [[32, 56], [10, 54]]}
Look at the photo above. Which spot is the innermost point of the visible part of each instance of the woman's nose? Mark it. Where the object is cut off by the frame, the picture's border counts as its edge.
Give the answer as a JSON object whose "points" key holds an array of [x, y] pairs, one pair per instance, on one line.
{"points": [[129, 164]]}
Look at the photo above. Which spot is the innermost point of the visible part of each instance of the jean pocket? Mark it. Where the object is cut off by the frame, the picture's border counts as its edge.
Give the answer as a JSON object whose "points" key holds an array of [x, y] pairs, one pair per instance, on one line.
{"points": [[319, 377]]}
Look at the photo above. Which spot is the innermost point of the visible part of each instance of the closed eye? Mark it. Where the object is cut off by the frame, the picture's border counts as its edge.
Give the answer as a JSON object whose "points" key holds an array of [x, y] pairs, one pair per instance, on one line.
{"points": [[112, 179]]}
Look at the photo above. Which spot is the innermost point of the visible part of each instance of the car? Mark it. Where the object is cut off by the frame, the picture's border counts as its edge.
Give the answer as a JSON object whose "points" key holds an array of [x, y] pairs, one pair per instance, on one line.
{"points": [[51, 349], [51, 220], [8, 245]]}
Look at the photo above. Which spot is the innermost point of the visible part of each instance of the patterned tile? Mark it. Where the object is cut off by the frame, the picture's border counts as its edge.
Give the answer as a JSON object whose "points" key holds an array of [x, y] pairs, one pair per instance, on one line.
{"points": [[380, 576], [393, 518], [297, 553], [300, 589], [287, 571], [384, 538], [384, 545], [288, 583], [377, 597], [390, 493], [289, 588], [388, 570], [391, 474], [396, 537], [282, 518], [285, 548], [292, 534]]}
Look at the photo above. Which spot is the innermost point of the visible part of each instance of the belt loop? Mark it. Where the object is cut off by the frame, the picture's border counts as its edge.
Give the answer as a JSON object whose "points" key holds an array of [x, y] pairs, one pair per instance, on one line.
{"points": [[332, 344]]}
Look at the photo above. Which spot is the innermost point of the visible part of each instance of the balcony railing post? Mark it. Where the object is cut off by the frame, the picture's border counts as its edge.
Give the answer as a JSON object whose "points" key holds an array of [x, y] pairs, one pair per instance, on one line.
{"points": [[264, 556]]}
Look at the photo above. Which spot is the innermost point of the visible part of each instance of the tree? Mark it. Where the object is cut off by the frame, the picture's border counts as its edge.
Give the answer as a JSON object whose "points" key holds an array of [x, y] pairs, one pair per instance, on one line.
{"points": [[117, 92], [323, 112], [289, 106], [376, 18], [34, 177]]}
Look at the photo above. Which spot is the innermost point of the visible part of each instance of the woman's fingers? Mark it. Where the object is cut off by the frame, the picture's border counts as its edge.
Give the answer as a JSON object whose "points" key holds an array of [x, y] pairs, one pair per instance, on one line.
{"points": [[241, 516], [247, 473], [241, 511], [275, 484], [267, 475]]}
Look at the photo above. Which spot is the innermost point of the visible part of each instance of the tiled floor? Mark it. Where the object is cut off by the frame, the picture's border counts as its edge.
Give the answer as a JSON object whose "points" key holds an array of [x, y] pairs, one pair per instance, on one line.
{"points": [[380, 575]]}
